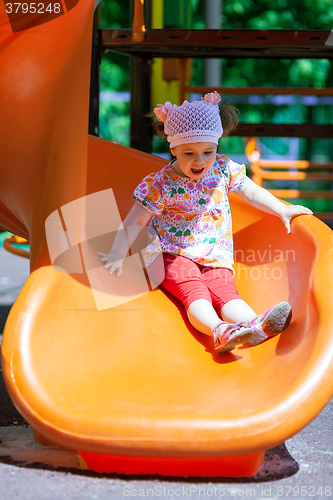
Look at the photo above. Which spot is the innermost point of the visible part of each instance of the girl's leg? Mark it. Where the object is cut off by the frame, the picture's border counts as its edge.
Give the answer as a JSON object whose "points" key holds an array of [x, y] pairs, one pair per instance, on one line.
{"points": [[225, 297], [237, 310], [183, 279], [234, 309], [203, 316]]}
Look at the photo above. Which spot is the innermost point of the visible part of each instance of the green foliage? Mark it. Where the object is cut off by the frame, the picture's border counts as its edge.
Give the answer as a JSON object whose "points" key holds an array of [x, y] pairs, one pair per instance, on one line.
{"points": [[114, 75], [115, 122], [114, 72], [271, 14], [277, 14], [116, 14], [306, 72]]}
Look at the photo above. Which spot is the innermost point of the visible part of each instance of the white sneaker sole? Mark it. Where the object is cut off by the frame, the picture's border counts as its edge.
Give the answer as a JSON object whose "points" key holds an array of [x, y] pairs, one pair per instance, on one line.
{"points": [[277, 320], [235, 339]]}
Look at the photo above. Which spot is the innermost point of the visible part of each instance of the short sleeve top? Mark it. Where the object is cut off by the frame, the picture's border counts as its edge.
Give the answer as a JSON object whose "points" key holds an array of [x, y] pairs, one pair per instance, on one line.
{"points": [[192, 217]]}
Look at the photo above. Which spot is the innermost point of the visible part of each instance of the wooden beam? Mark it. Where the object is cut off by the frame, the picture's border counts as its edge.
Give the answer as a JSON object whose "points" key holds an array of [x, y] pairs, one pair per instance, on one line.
{"points": [[292, 176], [305, 130], [292, 44], [294, 164], [261, 90], [295, 193]]}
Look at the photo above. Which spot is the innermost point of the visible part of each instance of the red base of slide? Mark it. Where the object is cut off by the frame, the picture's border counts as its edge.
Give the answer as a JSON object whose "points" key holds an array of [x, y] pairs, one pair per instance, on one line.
{"points": [[233, 466]]}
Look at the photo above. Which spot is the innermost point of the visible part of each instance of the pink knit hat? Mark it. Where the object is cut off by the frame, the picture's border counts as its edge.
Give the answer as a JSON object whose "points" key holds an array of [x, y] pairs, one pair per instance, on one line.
{"points": [[197, 121]]}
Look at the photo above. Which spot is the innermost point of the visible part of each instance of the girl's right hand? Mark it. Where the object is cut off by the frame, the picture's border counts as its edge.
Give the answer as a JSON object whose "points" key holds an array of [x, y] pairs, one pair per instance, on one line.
{"points": [[113, 261]]}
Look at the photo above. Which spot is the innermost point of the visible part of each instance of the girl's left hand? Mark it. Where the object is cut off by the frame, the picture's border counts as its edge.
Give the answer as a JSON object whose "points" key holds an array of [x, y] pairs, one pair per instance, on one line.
{"points": [[288, 212]]}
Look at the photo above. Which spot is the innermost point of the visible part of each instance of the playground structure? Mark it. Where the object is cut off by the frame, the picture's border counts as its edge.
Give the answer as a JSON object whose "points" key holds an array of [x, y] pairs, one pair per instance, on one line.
{"points": [[266, 170], [159, 401]]}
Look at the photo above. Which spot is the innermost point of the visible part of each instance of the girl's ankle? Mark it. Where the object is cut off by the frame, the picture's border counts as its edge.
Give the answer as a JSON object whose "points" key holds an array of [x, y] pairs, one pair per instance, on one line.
{"points": [[219, 330]]}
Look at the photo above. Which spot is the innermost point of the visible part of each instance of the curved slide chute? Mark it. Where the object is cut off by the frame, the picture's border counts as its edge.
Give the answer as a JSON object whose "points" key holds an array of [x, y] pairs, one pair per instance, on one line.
{"points": [[133, 386]]}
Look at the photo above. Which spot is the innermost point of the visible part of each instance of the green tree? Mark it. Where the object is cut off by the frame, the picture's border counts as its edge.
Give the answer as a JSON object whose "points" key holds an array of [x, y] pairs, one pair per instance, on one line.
{"points": [[271, 14], [114, 75]]}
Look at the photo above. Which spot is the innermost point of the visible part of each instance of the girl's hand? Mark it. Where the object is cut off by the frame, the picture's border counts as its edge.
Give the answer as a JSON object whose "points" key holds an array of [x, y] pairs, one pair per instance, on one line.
{"points": [[288, 212], [113, 261]]}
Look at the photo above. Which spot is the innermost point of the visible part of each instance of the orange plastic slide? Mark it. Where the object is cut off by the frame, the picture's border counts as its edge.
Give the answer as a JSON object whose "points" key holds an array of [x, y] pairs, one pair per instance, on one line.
{"points": [[134, 387]]}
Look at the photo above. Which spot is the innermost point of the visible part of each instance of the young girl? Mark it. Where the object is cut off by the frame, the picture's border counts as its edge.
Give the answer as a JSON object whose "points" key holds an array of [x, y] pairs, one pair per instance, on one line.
{"points": [[191, 218]]}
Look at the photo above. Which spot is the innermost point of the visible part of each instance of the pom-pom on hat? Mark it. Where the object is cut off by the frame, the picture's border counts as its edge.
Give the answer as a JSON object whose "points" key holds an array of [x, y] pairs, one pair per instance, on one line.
{"points": [[197, 121]]}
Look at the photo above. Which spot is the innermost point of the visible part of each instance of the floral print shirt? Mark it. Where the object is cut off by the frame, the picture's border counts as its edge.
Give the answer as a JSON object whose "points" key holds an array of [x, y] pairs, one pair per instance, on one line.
{"points": [[191, 217]]}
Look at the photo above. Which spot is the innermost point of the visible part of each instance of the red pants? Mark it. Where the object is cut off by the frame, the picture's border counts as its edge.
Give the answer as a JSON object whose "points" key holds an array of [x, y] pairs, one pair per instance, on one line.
{"points": [[189, 281]]}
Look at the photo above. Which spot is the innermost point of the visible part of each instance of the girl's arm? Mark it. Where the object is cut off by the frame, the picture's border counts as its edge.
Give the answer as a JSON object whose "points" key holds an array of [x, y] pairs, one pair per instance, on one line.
{"points": [[260, 198], [135, 221]]}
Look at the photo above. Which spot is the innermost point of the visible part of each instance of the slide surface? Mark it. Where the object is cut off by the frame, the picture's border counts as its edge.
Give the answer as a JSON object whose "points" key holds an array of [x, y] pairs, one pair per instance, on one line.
{"points": [[136, 379]]}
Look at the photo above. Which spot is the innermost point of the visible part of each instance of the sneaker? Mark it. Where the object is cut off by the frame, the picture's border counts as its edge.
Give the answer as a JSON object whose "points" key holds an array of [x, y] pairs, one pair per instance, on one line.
{"points": [[273, 321], [233, 335]]}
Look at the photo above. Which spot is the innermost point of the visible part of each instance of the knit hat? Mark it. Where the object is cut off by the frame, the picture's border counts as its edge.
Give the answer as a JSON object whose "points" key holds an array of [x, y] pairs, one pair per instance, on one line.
{"points": [[197, 121]]}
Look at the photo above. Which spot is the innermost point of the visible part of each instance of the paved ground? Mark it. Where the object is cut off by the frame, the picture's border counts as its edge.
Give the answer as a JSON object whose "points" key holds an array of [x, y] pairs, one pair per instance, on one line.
{"points": [[302, 468]]}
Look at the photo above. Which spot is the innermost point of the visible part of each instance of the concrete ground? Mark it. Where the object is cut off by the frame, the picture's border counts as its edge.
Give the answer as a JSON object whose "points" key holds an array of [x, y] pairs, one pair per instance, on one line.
{"points": [[300, 468]]}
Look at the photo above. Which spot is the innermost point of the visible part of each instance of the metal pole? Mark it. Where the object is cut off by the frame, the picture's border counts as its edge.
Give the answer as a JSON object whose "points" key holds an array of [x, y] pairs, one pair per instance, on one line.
{"points": [[96, 54], [141, 132], [213, 20], [140, 87]]}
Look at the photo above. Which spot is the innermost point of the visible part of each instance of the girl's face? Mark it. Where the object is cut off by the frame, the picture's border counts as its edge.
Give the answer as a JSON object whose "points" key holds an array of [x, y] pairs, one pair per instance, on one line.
{"points": [[194, 160]]}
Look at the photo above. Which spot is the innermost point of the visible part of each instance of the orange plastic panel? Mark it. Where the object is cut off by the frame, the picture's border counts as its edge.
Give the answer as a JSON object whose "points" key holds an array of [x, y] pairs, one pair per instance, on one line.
{"points": [[137, 380]]}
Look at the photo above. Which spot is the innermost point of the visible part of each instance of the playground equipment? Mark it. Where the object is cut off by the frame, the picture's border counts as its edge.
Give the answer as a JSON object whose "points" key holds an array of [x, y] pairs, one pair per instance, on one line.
{"points": [[285, 170], [9, 243], [135, 388]]}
